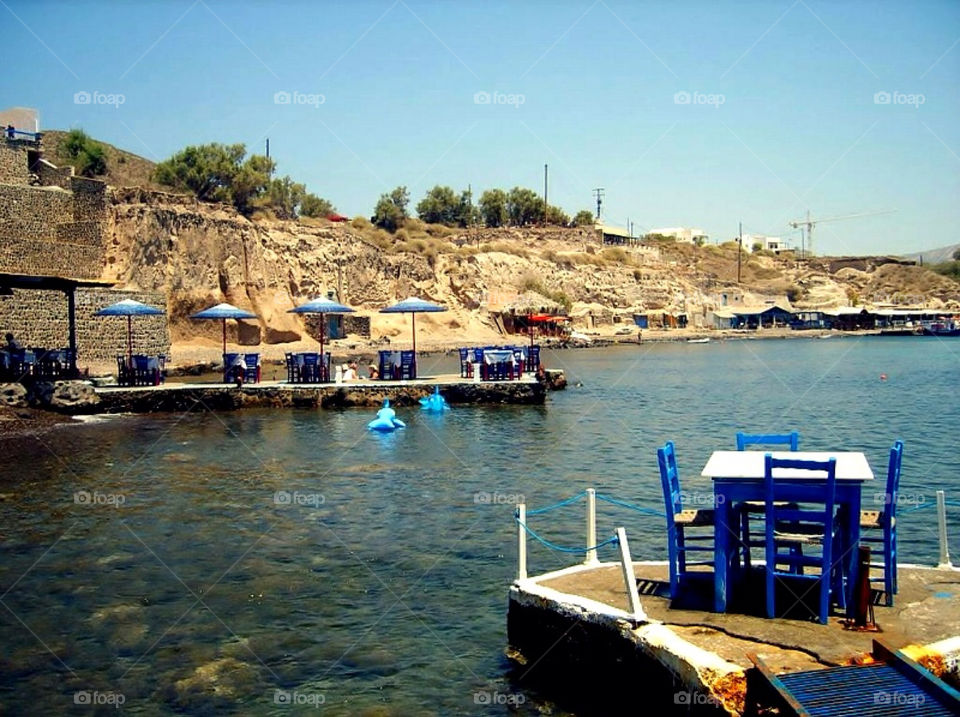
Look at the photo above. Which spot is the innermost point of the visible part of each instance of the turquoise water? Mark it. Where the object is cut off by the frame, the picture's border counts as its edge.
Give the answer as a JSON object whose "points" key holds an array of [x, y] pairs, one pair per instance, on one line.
{"points": [[377, 584]]}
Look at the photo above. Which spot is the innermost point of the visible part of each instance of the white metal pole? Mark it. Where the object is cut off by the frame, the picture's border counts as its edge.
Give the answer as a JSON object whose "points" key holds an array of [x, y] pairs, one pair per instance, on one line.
{"points": [[636, 609], [591, 557], [521, 542], [942, 530]]}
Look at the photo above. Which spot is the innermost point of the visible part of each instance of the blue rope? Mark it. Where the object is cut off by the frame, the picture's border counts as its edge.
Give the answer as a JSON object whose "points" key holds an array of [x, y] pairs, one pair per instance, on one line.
{"points": [[553, 546], [624, 504], [568, 501]]}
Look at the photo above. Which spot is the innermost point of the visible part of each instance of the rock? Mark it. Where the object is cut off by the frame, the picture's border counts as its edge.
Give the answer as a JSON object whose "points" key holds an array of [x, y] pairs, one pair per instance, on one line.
{"points": [[13, 394], [220, 682], [66, 396]]}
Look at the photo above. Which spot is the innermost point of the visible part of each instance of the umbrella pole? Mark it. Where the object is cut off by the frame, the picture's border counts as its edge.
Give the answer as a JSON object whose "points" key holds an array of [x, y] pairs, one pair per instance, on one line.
{"points": [[324, 372], [413, 321], [129, 341], [224, 322]]}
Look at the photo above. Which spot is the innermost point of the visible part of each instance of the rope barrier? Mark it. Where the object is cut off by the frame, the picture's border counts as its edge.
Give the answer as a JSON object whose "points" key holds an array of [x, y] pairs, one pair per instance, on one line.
{"points": [[631, 506], [568, 501], [563, 549]]}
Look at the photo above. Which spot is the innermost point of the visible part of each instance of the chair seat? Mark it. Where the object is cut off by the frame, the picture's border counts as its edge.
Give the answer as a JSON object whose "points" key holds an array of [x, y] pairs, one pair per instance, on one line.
{"points": [[760, 506], [809, 534], [871, 519], [694, 518]]}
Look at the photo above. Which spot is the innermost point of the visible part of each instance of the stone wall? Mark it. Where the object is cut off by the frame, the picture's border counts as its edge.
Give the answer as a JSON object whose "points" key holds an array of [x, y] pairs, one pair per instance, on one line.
{"points": [[51, 175], [39, 318], [14, 165]]}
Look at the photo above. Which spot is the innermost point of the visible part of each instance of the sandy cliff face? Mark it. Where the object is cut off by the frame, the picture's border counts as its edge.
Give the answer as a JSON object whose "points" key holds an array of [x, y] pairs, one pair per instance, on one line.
{"points": [[202, 254]]}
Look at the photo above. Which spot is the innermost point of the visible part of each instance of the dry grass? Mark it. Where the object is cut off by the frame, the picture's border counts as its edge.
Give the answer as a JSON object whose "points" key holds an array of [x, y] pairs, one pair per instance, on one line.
{"points": [[124, 169]]}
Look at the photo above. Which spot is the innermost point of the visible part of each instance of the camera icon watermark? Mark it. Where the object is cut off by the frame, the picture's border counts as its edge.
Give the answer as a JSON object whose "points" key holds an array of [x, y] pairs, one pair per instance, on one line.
{"points": [[495, 498], [94, 698], [299, 98], [286, 497], [97, 499], [486, 697], [514, 100], [884, 97], [292, 698], [698, 98], [98, 98], [899, 699]]}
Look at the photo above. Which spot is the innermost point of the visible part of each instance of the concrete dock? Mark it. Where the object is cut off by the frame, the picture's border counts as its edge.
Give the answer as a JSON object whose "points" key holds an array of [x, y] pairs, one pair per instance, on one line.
{"points": [[578, 623]]}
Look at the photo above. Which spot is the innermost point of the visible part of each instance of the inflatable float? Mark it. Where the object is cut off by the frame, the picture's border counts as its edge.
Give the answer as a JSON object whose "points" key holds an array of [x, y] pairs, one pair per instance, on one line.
{"points": [[386, 419], [435, 403]]}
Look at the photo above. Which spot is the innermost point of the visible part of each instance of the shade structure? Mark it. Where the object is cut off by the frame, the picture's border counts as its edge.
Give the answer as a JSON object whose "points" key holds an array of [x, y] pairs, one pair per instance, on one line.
{"points": [[224, 312], [413, 306], [129, 308], [321, 306]]}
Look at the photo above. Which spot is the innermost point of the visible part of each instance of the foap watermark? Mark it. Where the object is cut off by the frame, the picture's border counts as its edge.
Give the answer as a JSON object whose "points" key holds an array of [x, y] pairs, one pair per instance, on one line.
{"points": [[900, 699], [295, 497], [98, 98], [692, 498], [298, 98], [96, 498], [483, 97], [899, 98], [495, 498], [908, 498], [486, 697], [695, 698], [698, 98], [300, 699], [95, 698]]}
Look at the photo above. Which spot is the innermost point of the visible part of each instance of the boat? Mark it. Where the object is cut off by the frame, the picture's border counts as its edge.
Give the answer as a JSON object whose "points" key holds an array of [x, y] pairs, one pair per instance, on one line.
{"points": [[704, 340], [947, 327]]}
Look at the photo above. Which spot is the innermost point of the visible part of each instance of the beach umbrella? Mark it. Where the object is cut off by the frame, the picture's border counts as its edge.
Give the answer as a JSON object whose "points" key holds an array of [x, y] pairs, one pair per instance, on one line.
{"points": [[413, 306], [224, 312], [321, 306], [129, 308]]}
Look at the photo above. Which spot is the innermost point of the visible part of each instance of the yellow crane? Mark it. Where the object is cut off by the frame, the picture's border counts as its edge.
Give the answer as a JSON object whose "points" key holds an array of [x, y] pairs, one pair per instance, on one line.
{"points": [[809, 223]]}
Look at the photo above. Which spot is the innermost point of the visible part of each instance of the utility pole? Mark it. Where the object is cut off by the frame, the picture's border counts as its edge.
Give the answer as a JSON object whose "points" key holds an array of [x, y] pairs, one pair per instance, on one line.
{"points": [[268, 148], [545, 205], [599, 193], [739, 247]]}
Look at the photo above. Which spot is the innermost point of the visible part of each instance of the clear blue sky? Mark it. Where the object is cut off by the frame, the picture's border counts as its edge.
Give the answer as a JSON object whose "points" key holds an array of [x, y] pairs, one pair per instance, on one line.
{"points": [[782, 114]]}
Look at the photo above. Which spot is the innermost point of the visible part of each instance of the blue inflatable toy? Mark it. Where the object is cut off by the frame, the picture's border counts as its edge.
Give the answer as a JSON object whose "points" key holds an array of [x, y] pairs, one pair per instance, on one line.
{"points": [[435, 403], [386, 419]]}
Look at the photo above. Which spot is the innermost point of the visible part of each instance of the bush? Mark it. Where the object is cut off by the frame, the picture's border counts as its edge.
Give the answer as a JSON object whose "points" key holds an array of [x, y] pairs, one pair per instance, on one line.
{"points": [[88, 155]]}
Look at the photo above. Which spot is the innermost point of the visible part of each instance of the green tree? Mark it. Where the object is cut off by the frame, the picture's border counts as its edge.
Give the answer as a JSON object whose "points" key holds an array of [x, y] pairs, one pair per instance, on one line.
{"points": [[391, 209], [757, 246], [251, 187], [440, 206], [583, 218], [467, 214], [555, 215], [284, 197], [493, 208], [313, 206], [88, 156], [524, 206]]}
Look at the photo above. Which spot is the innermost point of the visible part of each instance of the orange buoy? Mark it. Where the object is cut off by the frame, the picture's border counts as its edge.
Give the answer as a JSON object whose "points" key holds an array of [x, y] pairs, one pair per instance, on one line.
{"points": [[883, 377]]}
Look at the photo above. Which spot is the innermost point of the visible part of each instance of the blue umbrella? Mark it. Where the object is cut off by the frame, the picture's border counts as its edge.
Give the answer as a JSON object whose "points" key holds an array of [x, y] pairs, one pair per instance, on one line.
{"points": [[321, 306], [129, 308], [413, 306], [224, 312]]}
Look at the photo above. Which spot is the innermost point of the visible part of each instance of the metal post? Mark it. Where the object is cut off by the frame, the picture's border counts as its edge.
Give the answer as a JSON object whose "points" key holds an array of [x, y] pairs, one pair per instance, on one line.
{"points": [[591, 557], [942, 530], [521, 542], [636, 609]]}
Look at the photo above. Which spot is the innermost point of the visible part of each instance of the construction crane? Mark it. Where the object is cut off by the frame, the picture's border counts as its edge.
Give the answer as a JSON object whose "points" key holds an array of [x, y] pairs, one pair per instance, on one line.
{"points": [[808, 224]]}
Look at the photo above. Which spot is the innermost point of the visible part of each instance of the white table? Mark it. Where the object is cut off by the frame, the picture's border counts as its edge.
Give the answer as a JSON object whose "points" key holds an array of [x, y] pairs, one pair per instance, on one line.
{"points": [[738, 476]]}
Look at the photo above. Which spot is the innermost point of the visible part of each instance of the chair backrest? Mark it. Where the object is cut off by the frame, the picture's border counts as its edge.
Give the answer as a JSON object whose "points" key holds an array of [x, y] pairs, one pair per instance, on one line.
{"points": [[533, 356], [478, 355], [406, 357], [251, 360], [141, 362], [670, 479], [464, 354], [893, 484], [310, 359], [824, 494], [791, 439]]}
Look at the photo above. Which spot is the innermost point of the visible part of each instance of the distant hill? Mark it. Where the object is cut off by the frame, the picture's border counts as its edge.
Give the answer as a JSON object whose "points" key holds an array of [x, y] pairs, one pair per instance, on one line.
{"points": [[934, 256], [124, 169]]}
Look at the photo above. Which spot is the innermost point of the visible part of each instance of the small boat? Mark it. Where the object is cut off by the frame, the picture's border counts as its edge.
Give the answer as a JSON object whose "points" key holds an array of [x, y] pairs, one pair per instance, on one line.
{"points": [[704, 340]]}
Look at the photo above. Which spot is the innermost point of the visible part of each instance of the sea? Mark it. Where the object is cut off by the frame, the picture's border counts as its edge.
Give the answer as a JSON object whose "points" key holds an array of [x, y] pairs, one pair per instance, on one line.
{"points": [[292, 562]]}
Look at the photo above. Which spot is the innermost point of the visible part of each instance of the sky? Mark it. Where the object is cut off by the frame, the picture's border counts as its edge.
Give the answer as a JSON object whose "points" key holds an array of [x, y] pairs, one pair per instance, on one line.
{"points": [[696, 114]]}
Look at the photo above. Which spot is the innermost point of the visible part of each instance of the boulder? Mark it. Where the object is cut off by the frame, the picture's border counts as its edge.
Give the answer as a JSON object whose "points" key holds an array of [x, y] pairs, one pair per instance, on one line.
{"points": [[66, 396], [13, 395]]}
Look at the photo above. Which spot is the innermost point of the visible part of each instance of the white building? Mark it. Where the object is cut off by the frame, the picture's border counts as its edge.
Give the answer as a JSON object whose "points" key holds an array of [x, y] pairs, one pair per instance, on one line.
{"points": [[684, 234], [774, 244]]}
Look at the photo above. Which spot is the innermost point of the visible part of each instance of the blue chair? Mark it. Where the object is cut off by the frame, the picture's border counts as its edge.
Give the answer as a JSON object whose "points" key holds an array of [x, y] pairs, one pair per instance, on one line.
{"points": [[680, 520], [466, 368], [293, 368], [310, 372], [791, 439], [251, 368], [752, 507], [812, 524], [885, 521], [533, 359], [408, 365]]}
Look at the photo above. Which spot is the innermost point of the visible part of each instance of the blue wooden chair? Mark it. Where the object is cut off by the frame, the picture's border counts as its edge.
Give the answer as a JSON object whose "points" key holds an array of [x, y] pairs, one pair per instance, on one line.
{"points": [[466, 368], [251, 368], [533, 359], [408, 366], [680, 520], [885, 521], [753, 508], [811, 524]]}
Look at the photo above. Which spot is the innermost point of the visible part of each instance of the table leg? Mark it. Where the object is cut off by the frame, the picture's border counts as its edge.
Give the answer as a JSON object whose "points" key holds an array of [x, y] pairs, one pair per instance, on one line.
{"points": [[850, 554], [721, 548]]}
